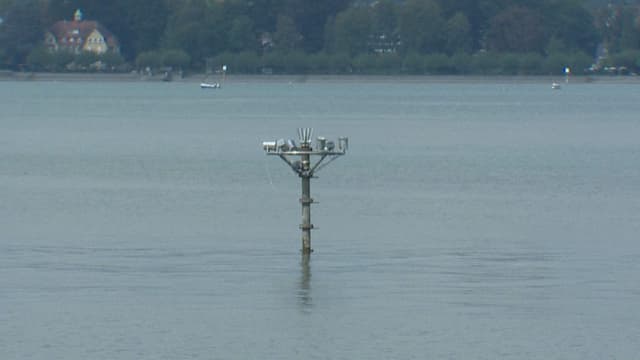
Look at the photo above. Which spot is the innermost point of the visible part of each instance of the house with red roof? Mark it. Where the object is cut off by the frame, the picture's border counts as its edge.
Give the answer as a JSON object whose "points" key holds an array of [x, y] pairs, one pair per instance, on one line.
{"points": [[80, 35]]}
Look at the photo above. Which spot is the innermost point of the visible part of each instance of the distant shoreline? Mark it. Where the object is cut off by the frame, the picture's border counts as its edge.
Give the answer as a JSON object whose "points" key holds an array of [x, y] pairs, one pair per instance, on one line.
{"points": [[240, 78]]}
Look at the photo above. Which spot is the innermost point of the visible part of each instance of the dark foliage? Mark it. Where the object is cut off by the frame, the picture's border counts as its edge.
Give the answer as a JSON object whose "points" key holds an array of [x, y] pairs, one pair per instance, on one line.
{"points": [[340, 35]]}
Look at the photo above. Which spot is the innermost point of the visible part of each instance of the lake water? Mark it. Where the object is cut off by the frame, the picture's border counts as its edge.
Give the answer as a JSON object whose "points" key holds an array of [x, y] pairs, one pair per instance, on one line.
{"points": [[469, 220]]}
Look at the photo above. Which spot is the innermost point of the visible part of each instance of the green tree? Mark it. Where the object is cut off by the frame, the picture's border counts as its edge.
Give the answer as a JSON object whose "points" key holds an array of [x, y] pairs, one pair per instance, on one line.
{"points": [[413, 63], [438, 64], [485, 63], [319, 62], [510, 64], [241, 35], [339, 64], [571, 23], [265, 14], [150, 59], [176, 58], [85, 59], [556, 45], [144, 25], [630, 30], [61, 10], [388, 63], [296, 62], [385, 19], [531, 63], [5, 4], [516, 29], [461, 63], [204, 29], [458, 32], [618, 26], [311, 17], [364, 63], [627, 58], [20, 32], [60, 60], [479, 13], [274, 61], [352, 32], [39, 59], [217, 62], [556, 63], [197, 28], [246, 62], [112, 60], [420, 26], [286, 38]]}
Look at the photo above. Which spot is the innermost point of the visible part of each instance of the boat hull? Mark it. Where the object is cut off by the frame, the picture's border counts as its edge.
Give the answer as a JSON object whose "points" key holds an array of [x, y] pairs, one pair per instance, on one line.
{"points": [[210, 85]]}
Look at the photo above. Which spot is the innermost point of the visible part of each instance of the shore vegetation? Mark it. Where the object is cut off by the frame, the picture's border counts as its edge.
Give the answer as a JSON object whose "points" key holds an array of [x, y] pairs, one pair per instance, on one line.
{"points": [[440, 37]]}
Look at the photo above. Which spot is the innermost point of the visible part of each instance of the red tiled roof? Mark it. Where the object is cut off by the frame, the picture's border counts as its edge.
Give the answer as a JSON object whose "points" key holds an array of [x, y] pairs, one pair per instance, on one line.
{"points": [[79, 31]]}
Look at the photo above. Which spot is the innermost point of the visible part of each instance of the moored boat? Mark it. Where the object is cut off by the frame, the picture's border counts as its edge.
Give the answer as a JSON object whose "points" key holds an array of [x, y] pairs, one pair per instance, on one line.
{"points": [[206, 85], [215, 85]]}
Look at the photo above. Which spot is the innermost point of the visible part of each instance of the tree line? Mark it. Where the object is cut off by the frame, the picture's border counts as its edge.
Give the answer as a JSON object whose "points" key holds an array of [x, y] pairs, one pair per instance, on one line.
{"points": [[336, 36]]}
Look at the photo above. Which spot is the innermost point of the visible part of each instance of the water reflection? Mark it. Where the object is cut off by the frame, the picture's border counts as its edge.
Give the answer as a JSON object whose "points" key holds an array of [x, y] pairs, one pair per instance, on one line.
{"points": [[304, 292]]}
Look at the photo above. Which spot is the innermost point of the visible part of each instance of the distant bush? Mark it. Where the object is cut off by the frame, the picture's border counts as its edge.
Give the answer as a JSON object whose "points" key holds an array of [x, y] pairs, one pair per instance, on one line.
{"points": [[389, 63], [298, 62], [485, 63], [461, 63], [510, 64], [531, 63], [438, 64], [85, 59], [246, 62], [413, 64], [273, 62], [149, 59], [555, 63], [60, 60], [318, 63], [40, 59], [340, 64], [364, 64], [628, 58], [175, 58], [216, 63]]}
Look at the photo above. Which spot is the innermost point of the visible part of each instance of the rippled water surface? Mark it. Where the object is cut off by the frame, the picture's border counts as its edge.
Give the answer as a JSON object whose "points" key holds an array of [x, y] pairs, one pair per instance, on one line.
{"points": [[469, 220]]}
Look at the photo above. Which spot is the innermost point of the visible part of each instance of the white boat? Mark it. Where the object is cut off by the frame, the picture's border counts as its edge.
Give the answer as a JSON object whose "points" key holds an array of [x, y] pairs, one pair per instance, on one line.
{"points": [[215, 85], [206, 85], [555, 86]]}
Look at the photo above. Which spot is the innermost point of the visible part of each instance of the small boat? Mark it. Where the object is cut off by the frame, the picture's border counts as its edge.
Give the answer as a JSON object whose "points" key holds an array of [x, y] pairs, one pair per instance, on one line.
{"points": [[206, 85], [555, 86], [215, 85]]}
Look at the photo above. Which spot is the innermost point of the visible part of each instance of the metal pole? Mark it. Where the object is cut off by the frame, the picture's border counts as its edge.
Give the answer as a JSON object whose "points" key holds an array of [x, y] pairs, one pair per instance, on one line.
{"points": [[306, 201], [287, 151]]}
